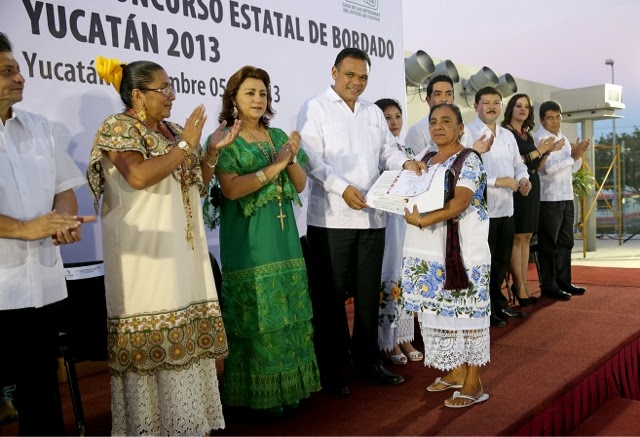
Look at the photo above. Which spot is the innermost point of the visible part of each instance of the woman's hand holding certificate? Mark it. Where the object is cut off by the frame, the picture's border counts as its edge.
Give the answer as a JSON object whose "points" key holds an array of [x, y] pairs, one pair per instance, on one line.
{"points": [[394, 191]]}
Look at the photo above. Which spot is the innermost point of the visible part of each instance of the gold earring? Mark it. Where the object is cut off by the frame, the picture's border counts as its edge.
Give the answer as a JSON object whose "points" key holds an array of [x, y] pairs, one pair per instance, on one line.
{"points": [[235, 111], [142, 115]]}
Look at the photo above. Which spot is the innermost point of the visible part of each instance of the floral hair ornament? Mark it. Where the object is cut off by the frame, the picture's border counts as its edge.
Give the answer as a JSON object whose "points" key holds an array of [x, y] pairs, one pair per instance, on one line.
{"points": [[110, 70]]}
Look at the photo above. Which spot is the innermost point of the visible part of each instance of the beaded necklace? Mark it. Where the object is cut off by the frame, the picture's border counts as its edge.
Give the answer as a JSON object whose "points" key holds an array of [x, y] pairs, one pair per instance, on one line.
{"points": [[271, 157], [524, 135], [184, 175]]}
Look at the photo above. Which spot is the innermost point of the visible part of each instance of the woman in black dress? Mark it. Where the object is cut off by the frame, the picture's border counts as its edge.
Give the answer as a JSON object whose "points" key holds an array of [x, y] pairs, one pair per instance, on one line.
{"points": [[518, 118]]}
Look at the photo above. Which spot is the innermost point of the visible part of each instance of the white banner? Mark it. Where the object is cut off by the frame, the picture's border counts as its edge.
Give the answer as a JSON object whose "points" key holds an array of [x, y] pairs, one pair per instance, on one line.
{"points": [[200, 43]]}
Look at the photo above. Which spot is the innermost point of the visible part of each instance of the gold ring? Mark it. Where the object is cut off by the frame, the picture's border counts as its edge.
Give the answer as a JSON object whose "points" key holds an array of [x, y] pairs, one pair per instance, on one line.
{"points": [[197, 122]]}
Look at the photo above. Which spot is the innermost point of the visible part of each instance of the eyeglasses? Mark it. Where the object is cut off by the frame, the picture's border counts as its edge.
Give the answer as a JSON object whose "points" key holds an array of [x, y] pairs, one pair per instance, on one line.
{"points": [[166, 91]]}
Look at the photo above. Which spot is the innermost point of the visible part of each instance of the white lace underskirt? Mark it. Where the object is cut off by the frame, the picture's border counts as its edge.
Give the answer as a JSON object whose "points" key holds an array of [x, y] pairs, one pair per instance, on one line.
{"points": [[171, 402], [450, 342], [401, 331]]}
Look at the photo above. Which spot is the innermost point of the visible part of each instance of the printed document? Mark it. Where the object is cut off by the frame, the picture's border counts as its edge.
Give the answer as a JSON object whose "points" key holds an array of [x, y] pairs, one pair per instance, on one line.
{"points": [[394, 191]]}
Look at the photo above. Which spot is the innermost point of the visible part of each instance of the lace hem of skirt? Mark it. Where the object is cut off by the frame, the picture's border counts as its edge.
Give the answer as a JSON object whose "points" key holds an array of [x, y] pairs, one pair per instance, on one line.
{"points": [[446, 350]]}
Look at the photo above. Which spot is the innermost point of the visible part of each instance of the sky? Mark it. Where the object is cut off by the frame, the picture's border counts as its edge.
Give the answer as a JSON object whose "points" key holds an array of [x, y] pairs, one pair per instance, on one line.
{"points": [[557, 42]]}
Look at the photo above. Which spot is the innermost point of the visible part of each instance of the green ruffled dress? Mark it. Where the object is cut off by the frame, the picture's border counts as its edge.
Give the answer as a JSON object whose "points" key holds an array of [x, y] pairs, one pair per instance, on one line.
{"points": [[265, 299]]}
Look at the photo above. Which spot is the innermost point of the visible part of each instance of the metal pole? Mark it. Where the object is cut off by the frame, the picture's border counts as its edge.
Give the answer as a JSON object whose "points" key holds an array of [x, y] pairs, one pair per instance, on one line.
{"points": [[590, 157], [616, 176]]}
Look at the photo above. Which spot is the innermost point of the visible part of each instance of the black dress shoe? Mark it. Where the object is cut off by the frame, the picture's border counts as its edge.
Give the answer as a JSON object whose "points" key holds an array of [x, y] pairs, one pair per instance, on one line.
{"points": [[337, 390], [508, 312], [572, 289], [556, 294], [377, 373], [497, 321]]}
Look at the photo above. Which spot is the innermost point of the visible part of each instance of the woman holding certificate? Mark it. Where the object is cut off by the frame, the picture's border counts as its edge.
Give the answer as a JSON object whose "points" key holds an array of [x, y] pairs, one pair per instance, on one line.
{"points": [[446, 262], [395, 324]]}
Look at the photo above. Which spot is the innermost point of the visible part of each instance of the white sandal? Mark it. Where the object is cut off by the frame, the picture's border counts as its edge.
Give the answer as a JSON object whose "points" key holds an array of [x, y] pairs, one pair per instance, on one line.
{"points": [[474, 399], [447, 385], [398, 360], [415, 355]]}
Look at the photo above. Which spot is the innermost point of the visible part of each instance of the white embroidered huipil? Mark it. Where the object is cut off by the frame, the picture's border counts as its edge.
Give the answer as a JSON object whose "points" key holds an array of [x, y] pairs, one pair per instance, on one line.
{"points": [[503, 160], [418, 138], [34, 167], [345, 148], [556, 180]]}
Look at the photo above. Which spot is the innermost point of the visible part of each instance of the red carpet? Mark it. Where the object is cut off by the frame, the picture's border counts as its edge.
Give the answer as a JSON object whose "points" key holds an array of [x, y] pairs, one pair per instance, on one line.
{"points": [[534, 362]]}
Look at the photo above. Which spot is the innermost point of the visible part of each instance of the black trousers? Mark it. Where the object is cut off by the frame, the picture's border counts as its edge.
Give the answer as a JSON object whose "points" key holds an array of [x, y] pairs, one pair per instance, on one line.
{"points": [[501, 234], [345, 261], [30, 361], [555, 241]]}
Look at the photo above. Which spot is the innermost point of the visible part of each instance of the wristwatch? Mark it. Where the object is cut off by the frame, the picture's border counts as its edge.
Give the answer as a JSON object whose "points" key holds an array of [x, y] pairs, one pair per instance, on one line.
{"points": [[185, 147]]}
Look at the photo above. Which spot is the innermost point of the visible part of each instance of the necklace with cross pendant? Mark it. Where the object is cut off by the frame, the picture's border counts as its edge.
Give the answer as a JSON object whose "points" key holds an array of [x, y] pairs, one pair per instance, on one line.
{"points": [[271, 157]]}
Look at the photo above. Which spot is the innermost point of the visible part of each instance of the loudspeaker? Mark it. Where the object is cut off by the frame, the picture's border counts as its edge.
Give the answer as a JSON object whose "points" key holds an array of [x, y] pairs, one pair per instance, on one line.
{"points": [[446, 68], [507, 85], [418, 67], [483, 78]]}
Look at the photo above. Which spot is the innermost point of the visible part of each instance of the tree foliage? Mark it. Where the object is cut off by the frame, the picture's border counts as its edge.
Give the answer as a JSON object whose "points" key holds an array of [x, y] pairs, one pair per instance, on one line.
{"points": [[629, 159]]}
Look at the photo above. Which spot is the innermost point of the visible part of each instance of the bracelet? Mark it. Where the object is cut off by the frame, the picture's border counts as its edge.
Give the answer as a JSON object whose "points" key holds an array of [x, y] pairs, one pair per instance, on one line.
{"points": [[211, 160], [294, 160], [262, 177], [186, 154]]}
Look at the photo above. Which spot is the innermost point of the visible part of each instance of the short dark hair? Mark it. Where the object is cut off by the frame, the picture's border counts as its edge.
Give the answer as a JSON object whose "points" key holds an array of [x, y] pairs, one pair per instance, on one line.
{"points": [[383, 104], [137, 74], [488, 90], [435, 80], [352, 52], [5, 44], [454, 108], [549, 105], [233, 85], [529, 123]]}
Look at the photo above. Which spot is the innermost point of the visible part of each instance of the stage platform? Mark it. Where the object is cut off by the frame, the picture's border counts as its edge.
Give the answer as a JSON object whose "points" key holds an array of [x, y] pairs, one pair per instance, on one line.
{"points": [[539, 365]]}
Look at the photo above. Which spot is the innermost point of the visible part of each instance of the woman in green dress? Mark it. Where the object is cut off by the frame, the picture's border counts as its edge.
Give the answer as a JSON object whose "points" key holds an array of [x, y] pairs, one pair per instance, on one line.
{"points": [[266, 305]]}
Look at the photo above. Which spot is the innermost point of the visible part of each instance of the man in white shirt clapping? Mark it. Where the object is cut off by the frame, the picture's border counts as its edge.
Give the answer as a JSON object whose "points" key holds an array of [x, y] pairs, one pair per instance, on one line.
{"points": [[555, 232], [37, 213], [506, 173]]}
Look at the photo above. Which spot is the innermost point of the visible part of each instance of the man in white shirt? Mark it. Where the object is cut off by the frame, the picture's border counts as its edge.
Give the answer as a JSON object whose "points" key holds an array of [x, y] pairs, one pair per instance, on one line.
{"points": [[555, 232], [348, 142], [37, 213], [506, 173], [439, 90]]}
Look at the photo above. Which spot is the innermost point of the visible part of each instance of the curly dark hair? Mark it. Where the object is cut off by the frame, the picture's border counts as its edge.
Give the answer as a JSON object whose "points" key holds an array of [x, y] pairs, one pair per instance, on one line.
{"points": [[529, 123], [233, 84]]}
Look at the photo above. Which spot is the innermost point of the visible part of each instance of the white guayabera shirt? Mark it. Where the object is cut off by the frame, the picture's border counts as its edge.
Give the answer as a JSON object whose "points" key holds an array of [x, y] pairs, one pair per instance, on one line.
{"points": [[34, 167], [503, 160], [556, 176], [345, 148]]}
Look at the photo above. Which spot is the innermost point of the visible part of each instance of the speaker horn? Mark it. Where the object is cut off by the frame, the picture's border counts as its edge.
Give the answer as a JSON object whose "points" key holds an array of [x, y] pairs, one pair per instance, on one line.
{"points": [[446, 68], [507, 85], [418, 67], [483, 78]]}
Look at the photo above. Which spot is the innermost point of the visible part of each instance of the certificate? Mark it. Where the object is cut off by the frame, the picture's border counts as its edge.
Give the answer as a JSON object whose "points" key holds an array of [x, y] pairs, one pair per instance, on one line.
{"points": [[394, 191]]}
